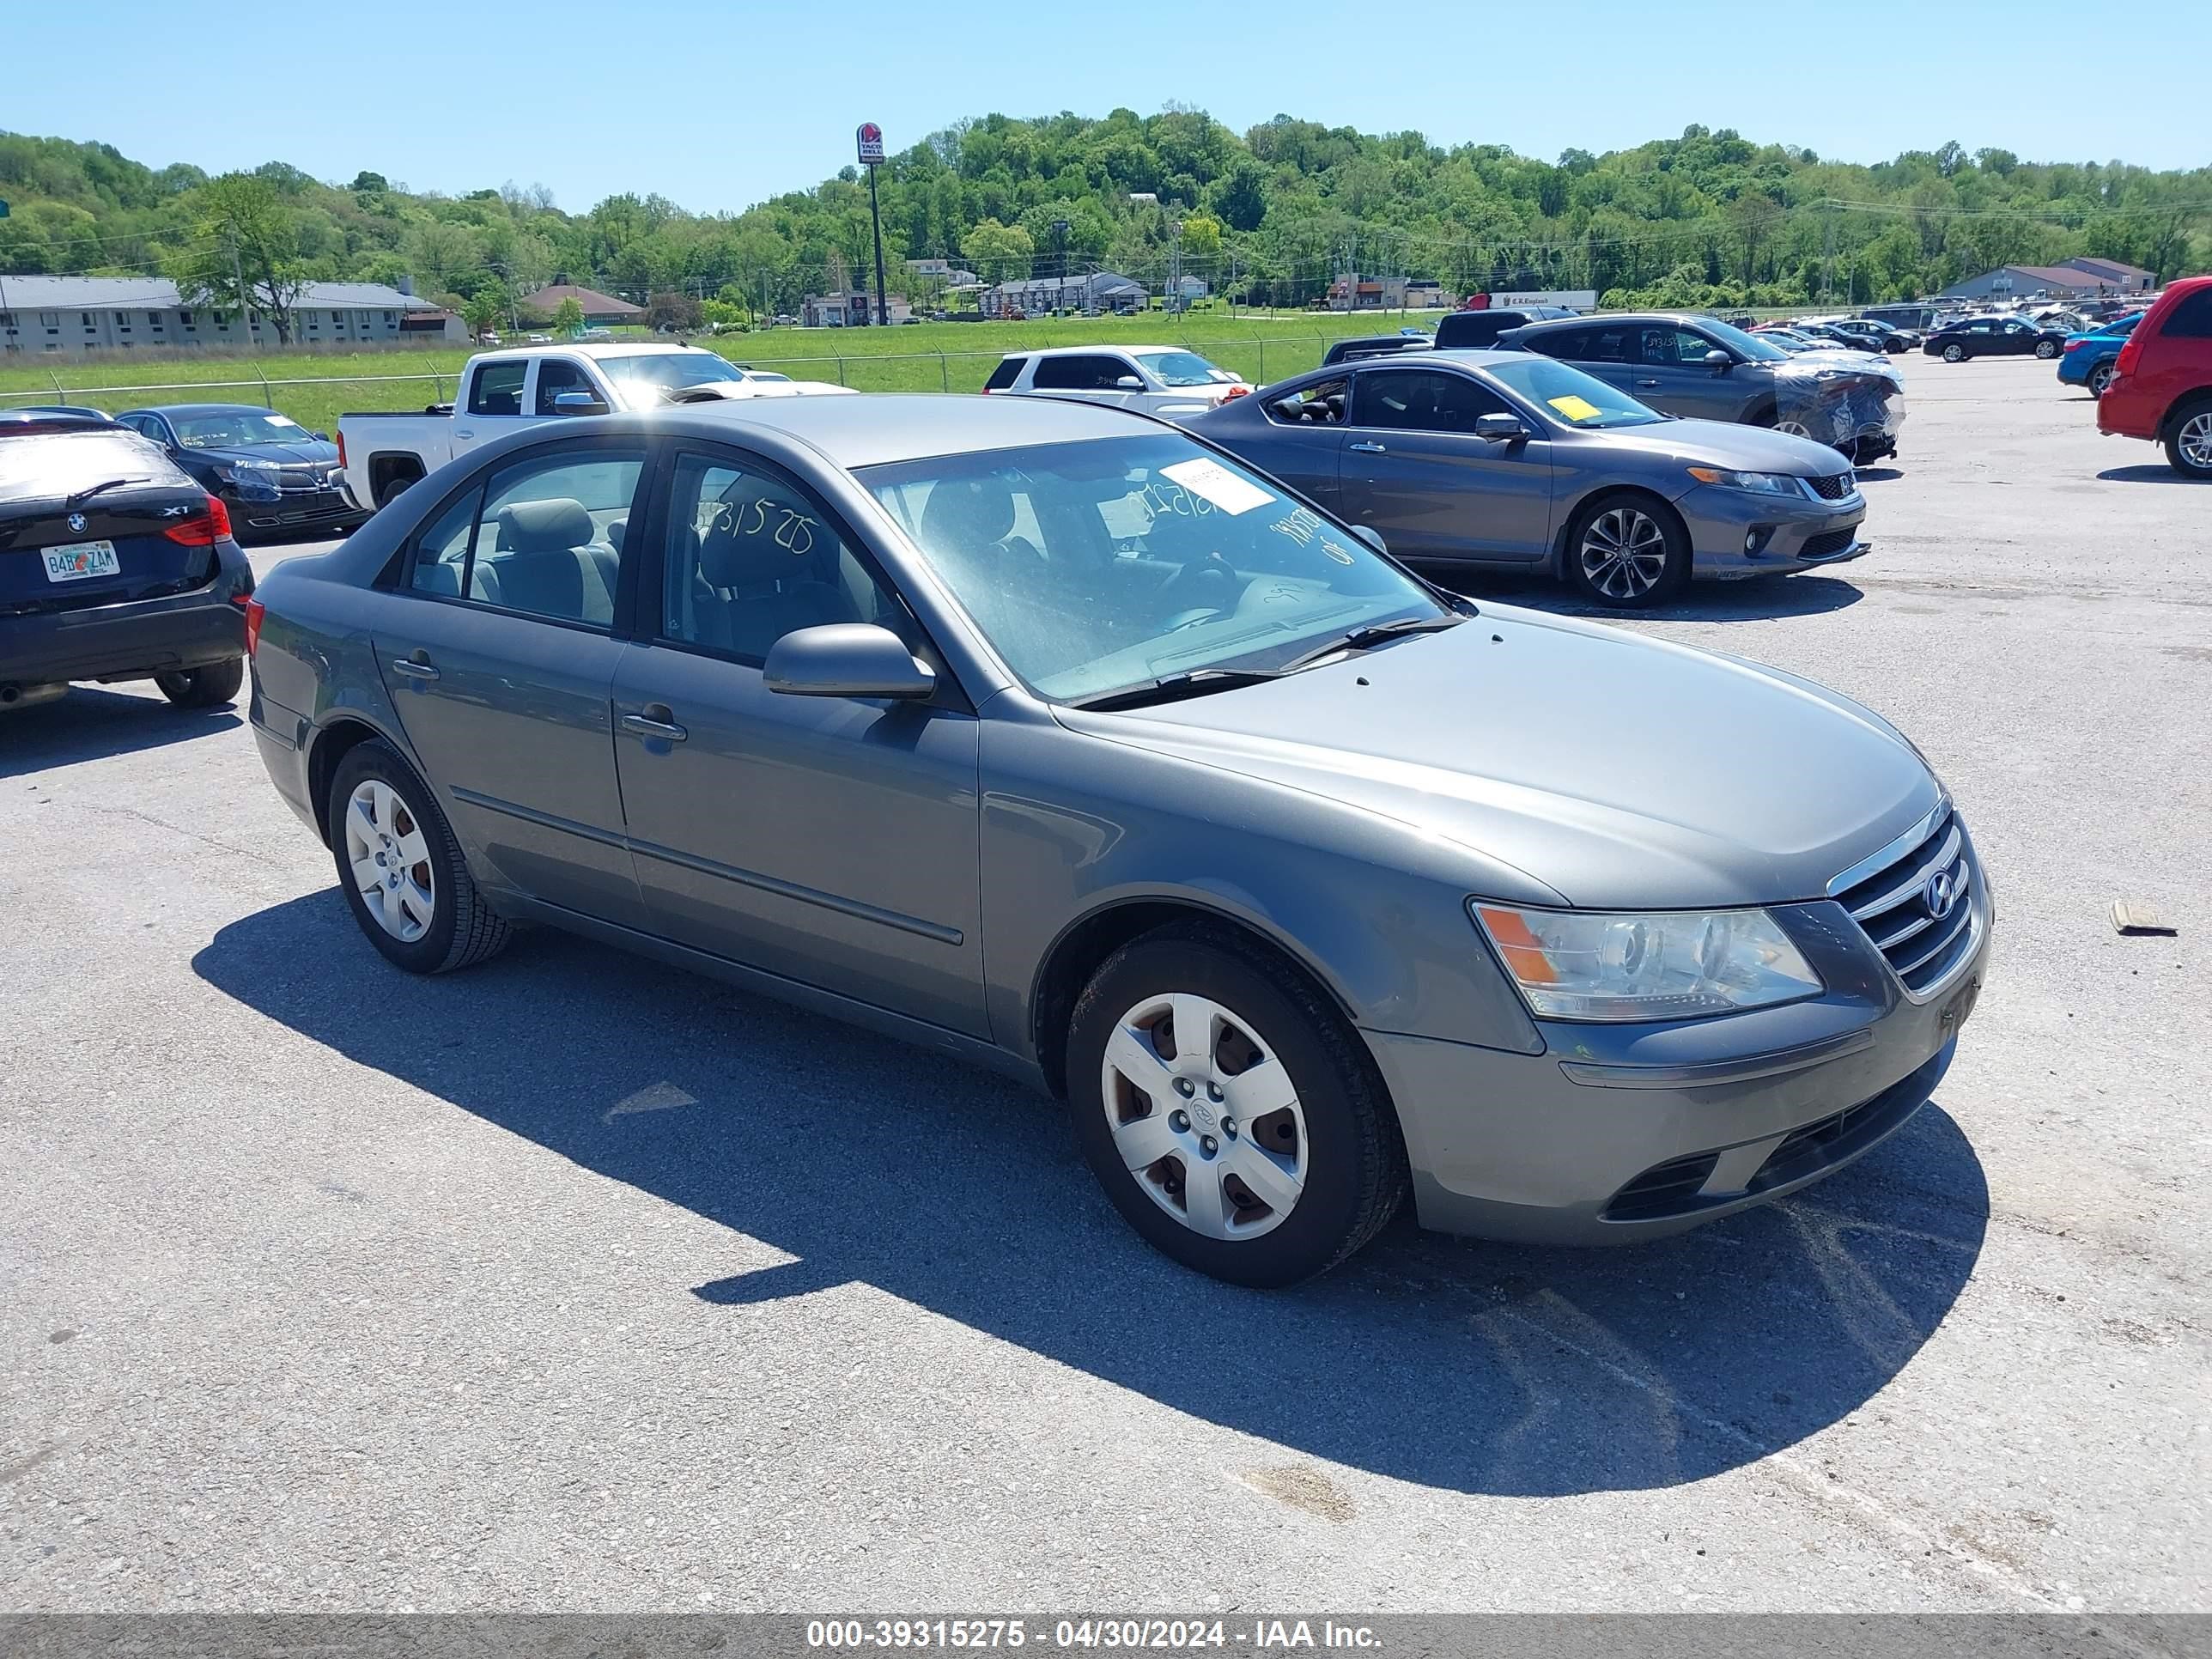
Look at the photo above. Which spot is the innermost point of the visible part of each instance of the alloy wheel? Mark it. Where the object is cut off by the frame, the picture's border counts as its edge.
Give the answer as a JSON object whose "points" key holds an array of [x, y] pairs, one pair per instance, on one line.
{"points": [[1955, 354], [1624, 553], [1205, 1115], [2194, 440], [1793, 428], [2100, 378], [390, 858]]}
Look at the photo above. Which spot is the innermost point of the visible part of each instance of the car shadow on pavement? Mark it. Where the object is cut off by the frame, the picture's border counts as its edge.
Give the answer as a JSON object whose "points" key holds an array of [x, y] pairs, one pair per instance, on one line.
{"points": [[1761, 599], [2165, 474], [87, 724], [1450, 1364]]}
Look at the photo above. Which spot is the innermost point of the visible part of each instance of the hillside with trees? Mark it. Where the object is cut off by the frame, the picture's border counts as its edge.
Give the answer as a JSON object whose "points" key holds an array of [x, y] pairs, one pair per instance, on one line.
{"points": [[1270, 216]]}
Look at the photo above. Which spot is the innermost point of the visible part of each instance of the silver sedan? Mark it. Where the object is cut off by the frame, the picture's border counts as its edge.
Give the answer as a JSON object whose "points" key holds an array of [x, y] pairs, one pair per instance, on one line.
{"points": [[1046, 735], [1510, 461]]}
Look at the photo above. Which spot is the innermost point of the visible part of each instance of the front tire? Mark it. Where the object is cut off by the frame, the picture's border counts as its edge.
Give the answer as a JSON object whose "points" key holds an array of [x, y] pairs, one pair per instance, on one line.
{"points": [[402, 870], [2047, 349], [2189, 441], [1627, 552], [211, 687], [1233, 1117], [1954, 353]]}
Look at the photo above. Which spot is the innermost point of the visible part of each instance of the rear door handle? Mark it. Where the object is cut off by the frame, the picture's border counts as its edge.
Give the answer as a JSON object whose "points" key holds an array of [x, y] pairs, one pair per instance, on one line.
{"points": [[1647, 383], [1370, 449], [415, 668], [656, 719]]}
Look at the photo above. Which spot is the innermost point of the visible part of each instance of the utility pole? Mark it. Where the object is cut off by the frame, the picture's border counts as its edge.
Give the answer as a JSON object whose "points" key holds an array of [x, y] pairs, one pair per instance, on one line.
{"points": [[1828, 258], [1175, 263], [238, 275]]}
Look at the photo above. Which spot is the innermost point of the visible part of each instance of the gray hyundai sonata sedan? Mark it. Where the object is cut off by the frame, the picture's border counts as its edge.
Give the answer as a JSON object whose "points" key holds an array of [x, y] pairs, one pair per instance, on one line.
{"points": [[1054, 738]]}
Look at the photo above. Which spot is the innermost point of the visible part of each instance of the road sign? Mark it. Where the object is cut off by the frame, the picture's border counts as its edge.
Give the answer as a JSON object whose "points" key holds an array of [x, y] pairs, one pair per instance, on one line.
{"points": [[870, 140]]}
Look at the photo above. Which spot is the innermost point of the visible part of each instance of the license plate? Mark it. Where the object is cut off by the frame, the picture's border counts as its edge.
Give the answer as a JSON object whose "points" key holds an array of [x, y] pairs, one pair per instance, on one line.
{"points": [[80, 560]]}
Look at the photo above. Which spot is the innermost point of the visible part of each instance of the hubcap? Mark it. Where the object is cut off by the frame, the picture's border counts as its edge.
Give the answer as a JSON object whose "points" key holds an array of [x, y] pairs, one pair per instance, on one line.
{"points": [[1205, 1116], [1624, 553], [391, 860], [2196, 441]]}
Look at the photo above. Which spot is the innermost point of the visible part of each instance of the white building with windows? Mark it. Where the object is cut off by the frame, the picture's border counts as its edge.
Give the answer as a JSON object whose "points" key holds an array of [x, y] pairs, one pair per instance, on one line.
{"points": [[70, 316]]}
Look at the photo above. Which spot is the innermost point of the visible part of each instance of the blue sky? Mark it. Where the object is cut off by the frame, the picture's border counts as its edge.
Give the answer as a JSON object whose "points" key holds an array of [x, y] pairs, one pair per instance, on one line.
{"points": [[719, 105]]}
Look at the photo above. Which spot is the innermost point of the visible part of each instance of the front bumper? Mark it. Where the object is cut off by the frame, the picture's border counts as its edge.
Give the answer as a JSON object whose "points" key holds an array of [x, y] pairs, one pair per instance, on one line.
{"points": [[1618, 1134], [1735, 534], [134, 639], [294, 509]]}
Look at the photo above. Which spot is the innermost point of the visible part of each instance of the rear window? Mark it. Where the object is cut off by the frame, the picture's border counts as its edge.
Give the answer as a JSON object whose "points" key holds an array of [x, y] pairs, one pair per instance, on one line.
{"points": [[46, 467], [2191, 319], [1079, 373], [1008, 370]]}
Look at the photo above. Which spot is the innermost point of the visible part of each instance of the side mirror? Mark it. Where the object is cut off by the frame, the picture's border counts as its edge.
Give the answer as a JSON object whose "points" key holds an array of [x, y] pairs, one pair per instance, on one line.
{"points": [[1373, 538], [1719, 361], [578, 403], [847, 659], [1129, 383], [1501, 428], [320, 437]]}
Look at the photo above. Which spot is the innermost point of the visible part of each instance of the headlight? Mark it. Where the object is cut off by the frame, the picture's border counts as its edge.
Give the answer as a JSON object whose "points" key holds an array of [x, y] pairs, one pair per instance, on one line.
{"points": [[1760, 484], [1586, 964]]}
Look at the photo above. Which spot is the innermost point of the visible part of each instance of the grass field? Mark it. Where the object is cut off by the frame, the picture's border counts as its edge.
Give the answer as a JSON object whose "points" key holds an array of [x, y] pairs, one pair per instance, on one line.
{"points": [[315, 388]]}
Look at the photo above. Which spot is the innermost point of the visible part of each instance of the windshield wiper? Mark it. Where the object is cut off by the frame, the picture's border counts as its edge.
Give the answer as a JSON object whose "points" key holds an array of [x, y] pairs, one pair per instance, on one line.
{"points": [[1361, 639], [101, 488], [1172, 688]]}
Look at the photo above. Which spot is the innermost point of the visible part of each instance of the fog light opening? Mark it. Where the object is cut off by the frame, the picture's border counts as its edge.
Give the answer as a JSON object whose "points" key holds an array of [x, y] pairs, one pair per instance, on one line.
{"points": [[1756, 538]]}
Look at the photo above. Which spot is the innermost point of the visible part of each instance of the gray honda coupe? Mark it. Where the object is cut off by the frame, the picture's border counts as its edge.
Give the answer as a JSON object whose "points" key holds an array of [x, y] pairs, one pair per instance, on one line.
{"points": [[1049, 736]]}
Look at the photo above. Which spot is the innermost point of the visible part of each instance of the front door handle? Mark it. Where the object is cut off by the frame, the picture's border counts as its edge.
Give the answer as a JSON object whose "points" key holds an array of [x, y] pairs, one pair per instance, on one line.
{"points": [[1647, 383], [464, 432], [1369, 449], [416, 667], [655, 719]]}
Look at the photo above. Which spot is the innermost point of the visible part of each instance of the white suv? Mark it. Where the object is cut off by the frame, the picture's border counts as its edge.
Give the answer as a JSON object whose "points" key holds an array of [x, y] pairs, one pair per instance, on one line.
{"points": [[1158, 379]]}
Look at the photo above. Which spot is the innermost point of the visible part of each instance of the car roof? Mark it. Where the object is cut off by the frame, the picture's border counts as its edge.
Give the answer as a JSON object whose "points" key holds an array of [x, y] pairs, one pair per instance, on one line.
{"points": [[1086, 350], [602, 349], [199, 409], [877, 427]]}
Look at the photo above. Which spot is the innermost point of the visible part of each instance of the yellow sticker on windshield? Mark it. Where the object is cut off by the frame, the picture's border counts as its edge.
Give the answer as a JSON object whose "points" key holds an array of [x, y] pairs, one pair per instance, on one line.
{"points": [[1575, 408]]}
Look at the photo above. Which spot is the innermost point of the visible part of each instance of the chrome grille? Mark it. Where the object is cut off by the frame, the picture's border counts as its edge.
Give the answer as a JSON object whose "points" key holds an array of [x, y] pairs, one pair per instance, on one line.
{"points": [[1833, 489], [1894, 906]]}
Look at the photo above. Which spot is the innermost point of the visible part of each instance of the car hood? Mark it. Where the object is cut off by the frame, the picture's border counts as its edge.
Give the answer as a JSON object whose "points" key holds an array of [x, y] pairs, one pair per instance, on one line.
{"points": [[307, 451], [1615, 770], [1727, 444]]}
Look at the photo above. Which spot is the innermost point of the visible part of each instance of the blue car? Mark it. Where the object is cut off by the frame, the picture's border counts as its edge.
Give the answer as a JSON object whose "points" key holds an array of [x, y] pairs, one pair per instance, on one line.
{"points": [[2092, 358]]}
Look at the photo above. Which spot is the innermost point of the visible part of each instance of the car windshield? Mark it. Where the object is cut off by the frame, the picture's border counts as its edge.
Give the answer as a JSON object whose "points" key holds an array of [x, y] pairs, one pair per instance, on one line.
{"points": [[1181, 369], [644, 379], [1097, 566], [1748, 345], [228, 427], [1565, 393], [48, 466]]}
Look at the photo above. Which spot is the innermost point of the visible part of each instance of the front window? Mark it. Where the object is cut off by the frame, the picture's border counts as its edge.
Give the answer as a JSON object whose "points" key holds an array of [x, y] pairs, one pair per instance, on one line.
{"points": [[643, 380], [1749, 347], [1565, 393], [1182, 368], [228, 427], [1097, 566]]}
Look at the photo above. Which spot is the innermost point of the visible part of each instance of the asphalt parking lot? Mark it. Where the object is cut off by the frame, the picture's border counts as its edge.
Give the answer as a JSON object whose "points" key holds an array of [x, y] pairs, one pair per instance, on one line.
{"points": [[576, 1283]]}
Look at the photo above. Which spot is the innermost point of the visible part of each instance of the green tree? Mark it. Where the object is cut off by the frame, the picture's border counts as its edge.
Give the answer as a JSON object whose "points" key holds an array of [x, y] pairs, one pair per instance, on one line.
{"points": [[999, 253], [569, 317], [244, 251], [673, 310], [486, 308]]}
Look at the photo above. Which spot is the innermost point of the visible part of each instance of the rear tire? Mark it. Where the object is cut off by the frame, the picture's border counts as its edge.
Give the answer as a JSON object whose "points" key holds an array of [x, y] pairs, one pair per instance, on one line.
{"points": [[2101, 377], [210, 687], [1627, 552], [388, 837], [1319, 1139], [2189, 439], [391, 489]]}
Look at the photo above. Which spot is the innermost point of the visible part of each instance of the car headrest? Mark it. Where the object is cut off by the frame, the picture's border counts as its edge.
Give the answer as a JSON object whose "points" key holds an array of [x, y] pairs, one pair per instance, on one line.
{"points": [[966, 514], [547, 526]]}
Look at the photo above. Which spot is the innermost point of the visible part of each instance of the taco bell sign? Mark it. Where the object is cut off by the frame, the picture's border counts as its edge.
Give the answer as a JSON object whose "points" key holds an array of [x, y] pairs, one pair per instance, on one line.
{"points": [[870, 139]]}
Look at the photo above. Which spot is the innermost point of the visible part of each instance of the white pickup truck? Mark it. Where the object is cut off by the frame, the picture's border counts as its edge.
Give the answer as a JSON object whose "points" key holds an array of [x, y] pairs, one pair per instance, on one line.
{"points": [[502, 392]]}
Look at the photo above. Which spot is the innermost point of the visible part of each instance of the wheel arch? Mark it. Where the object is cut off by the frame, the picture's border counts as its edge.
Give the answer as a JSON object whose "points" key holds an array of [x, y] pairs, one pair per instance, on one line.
{"points": [[333, 742], [2188, 403], [1085, 943], [390, 466]]}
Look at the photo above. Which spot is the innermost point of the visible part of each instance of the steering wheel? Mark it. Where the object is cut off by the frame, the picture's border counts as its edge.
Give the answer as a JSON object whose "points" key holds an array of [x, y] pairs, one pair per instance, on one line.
{"points": [[1184, 619], [1201, 584]]}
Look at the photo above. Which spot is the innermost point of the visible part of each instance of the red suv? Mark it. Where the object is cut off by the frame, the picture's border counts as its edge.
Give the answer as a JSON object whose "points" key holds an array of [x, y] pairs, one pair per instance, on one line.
{"points": [[2162, 389]]}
